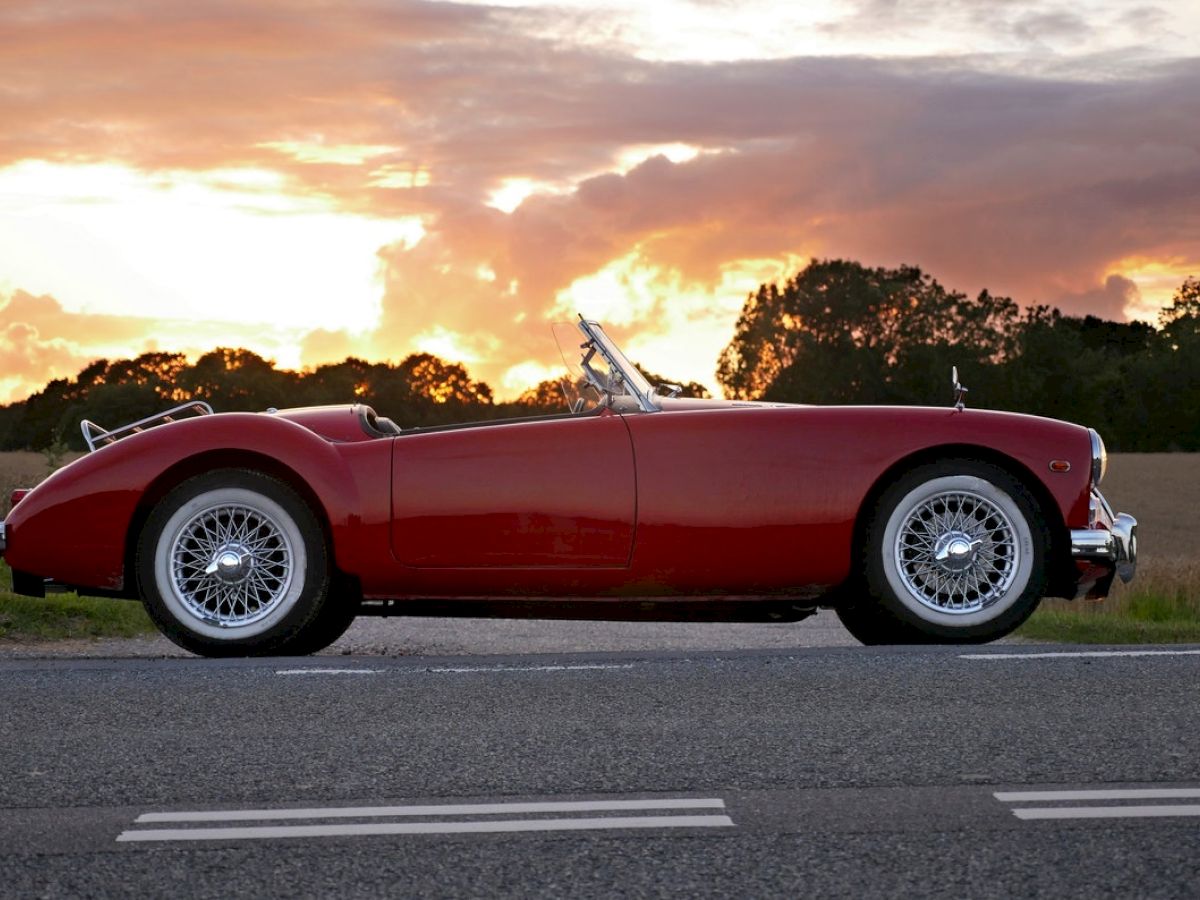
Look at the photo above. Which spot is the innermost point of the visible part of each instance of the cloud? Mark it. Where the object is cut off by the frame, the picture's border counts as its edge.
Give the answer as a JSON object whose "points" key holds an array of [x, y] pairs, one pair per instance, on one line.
{"points": [[1112, 300], [27, 361], [1027, 187], [1035, 184], [321, 346], [40, 340]]}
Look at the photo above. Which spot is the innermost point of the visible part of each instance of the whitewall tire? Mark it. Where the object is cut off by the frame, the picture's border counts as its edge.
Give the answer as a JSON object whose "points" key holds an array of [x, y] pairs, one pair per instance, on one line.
{"points": [[234, 563], [955, 552]]}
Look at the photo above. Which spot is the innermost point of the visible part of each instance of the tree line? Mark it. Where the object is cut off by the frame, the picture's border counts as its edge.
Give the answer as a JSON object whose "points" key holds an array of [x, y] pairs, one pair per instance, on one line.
{"points": [[836, 332], [420, 390], [841, 332]]}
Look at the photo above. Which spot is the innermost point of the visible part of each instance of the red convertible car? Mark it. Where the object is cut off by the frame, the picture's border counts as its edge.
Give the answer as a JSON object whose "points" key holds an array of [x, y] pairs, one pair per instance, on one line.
{"points": [[267, 533]]}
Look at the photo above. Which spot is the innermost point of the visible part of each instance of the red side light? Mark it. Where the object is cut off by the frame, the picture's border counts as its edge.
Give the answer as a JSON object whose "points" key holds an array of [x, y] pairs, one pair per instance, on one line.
{"points": [[18, 495]]}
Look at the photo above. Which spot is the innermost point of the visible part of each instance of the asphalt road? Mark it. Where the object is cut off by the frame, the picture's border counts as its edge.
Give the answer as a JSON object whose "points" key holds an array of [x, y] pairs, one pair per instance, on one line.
{"points": [[409, 636], [748, 773]]}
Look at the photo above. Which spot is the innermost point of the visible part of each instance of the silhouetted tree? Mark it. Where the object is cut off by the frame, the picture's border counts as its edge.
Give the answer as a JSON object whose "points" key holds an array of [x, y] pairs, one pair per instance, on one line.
{"points": [[841, 332], [688, 388], [235, 379], [835, 332]]}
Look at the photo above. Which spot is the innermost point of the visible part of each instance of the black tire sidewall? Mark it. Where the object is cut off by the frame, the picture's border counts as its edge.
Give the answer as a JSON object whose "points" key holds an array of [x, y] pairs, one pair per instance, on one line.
{"points": [[911, 627], [290, 627]]}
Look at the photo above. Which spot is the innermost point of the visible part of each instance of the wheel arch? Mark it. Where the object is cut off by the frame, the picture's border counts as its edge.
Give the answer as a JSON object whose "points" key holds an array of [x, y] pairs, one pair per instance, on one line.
{"points": [[227, 458], [1059, 548]]}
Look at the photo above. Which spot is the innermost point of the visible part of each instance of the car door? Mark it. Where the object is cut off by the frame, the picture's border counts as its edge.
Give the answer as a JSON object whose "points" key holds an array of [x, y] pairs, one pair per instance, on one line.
{"points": [[556, 493]]}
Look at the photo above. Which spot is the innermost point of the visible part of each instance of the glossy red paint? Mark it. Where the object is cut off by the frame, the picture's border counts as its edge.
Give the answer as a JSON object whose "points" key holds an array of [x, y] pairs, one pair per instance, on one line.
{"points": [[557, 494], [73, 527], [697, 499], [342, 424]]}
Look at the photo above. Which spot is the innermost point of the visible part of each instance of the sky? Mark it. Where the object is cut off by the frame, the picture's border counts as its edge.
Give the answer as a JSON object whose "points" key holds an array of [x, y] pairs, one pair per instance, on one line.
{"points": [[320, 178]]}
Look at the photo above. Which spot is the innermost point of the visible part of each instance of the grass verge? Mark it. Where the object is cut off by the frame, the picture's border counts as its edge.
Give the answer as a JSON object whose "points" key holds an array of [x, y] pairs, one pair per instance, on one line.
{"points": [[64, 616], [1161, 606], [1075, 627]]}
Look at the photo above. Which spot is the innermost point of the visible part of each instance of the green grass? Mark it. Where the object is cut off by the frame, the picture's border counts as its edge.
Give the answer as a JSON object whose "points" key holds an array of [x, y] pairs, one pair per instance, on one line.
{"points": [[1161, 606], [64, 616], [1075, 627]]}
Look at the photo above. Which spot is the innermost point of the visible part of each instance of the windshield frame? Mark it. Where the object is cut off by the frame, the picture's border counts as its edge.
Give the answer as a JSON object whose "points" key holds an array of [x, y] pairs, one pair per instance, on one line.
{"points": [[632, 380]]}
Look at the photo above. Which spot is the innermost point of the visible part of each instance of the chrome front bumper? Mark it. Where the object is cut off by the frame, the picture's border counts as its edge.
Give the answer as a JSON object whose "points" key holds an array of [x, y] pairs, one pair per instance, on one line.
{"points": [[1114, 541], [3, 537]]}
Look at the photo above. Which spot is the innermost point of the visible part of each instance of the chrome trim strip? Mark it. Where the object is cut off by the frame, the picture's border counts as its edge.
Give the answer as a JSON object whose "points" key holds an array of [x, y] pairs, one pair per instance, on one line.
{"points": [[1099, 457], [1125, 529], [1087, 543], [1118, 545]]}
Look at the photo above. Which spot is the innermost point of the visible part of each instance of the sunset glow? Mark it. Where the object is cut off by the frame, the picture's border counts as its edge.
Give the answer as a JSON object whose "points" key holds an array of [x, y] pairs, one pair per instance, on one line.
{"points": [[315, 181]]}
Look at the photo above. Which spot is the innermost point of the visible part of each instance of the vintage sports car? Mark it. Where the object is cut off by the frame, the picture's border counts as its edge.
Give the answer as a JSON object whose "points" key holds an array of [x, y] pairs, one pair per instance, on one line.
{"points": [[267, 533]]}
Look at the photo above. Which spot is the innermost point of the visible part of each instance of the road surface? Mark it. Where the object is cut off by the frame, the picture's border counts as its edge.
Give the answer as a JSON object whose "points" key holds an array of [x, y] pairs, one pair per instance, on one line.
{"points": [[995, 771]]}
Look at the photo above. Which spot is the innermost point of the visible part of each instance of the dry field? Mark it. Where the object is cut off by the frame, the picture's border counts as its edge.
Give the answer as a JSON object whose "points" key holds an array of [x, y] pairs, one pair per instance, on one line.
{"points": [[1162, 491], [22, 469]]}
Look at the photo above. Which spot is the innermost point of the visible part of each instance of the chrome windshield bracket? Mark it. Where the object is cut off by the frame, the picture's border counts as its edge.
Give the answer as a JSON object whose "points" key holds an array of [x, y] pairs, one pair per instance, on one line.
{"points": [[624, 377]]}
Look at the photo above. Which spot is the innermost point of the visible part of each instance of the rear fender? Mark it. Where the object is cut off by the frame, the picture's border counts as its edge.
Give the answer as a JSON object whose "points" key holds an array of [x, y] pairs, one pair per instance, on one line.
{"points": [[95, 505]]}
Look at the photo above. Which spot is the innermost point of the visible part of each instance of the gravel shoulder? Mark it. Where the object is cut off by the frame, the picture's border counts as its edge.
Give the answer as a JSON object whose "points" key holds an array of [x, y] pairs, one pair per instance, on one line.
{"points": [[402, 636]]}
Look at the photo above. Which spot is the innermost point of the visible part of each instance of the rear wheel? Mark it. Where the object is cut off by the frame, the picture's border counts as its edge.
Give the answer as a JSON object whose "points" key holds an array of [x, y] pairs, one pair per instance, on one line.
{"points": [[956, 552], [871, 624], [234, 563], [334, 619]]}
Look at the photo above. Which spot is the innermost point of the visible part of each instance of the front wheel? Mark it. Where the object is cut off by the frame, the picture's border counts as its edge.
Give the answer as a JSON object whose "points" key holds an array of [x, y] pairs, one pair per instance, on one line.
{"points": [[956, 553], [233, 563]]}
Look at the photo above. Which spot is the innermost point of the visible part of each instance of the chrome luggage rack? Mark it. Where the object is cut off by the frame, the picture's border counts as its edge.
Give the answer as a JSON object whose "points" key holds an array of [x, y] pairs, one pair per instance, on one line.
{"points": [[95, 436]]}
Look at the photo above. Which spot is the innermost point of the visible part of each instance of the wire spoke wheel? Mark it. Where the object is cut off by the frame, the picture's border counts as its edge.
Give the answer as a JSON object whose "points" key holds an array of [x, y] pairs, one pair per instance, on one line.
{"points": [[956, 552], [231, 565], [234, 563]]}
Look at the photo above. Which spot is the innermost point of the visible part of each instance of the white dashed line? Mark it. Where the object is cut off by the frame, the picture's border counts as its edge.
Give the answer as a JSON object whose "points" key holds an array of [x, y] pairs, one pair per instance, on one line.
{"points": [[1107, 812], [1108, 794], [457, 670], [447, 670], [1078, 654], [1124, 811], [294, 831], [442, 809], [541, 816]]}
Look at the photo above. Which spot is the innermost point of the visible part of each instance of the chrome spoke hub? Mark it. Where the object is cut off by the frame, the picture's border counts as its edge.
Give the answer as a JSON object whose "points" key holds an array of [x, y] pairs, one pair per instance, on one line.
{"points": [[231, 565], [956, 552]]}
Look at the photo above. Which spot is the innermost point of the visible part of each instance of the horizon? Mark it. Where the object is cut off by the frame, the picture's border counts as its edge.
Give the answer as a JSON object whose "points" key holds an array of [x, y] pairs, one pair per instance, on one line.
{"points": [[358, 179]]}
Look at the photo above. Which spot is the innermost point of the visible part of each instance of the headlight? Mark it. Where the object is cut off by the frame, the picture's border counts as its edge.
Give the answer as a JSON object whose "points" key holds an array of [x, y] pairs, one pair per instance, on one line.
{"points": [[1099, 457]]}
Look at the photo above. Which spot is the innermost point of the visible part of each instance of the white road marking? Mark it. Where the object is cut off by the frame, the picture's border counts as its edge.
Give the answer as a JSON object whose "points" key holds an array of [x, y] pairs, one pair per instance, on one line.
{"points": [[357, 830], [1075, 654], [1106, 812], [447, 670], [462, 809], [451, 670], [1112, 794]]}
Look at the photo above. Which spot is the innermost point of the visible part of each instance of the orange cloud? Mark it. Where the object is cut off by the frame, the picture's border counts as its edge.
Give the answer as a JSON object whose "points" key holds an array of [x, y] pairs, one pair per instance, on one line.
{"points": [[1036, 185], [40, 340]]}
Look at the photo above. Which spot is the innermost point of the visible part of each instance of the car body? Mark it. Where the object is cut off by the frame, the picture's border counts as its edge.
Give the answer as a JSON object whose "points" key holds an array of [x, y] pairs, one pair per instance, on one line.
{"points": [[249, 533]]}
